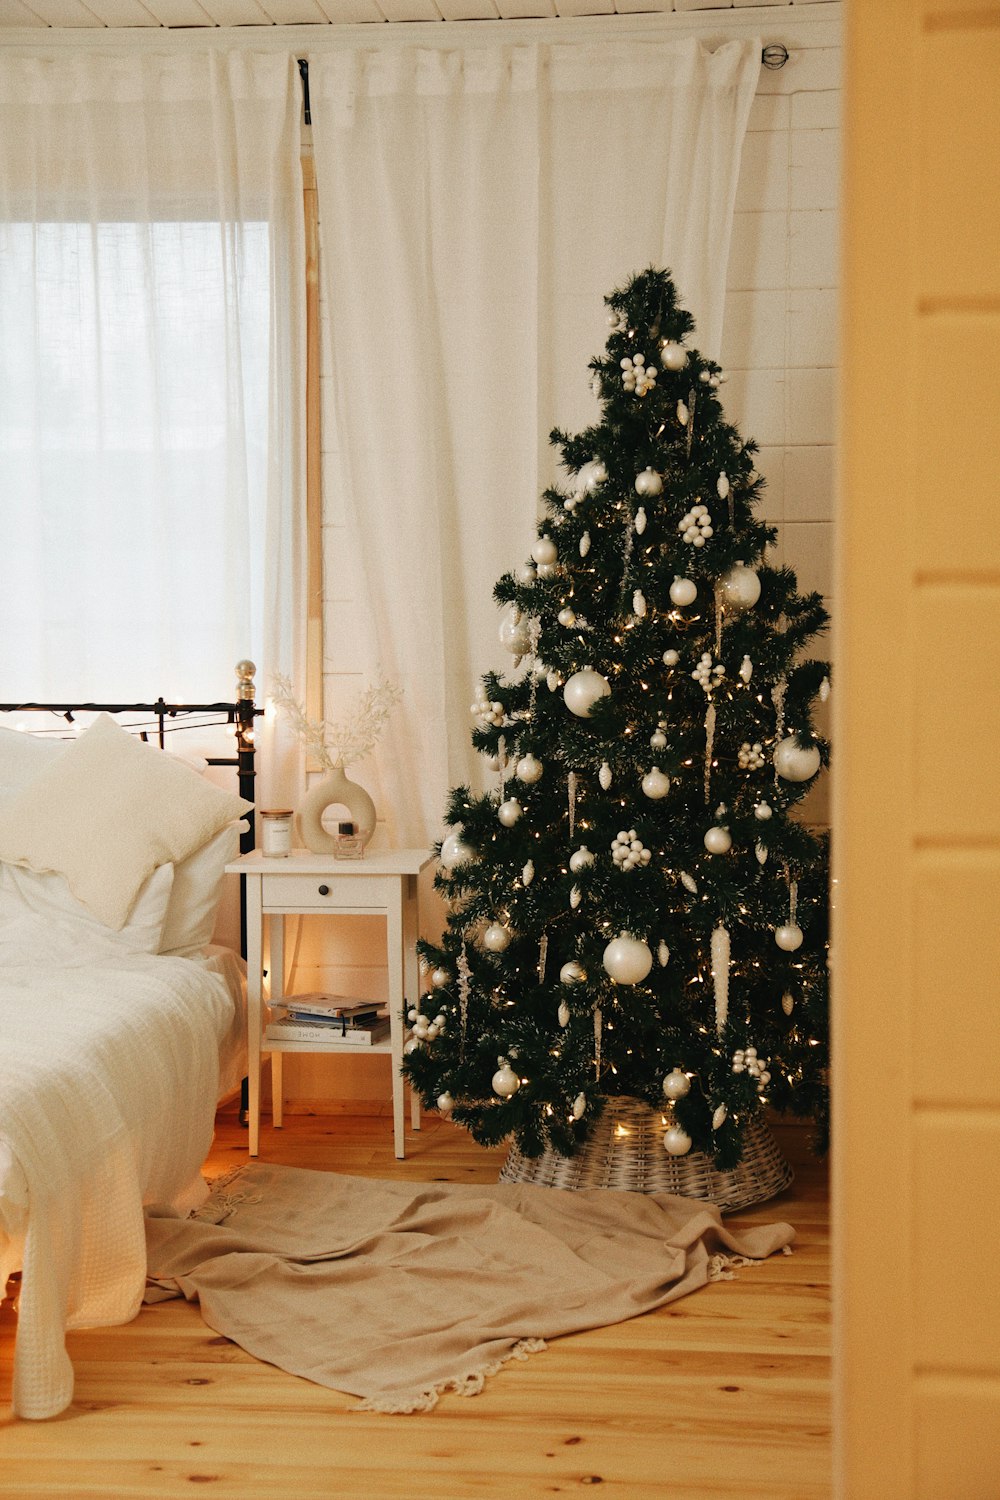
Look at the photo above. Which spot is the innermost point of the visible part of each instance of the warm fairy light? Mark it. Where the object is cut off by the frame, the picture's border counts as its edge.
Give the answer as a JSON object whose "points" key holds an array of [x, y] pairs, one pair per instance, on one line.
{"points": [[621, 1130]]}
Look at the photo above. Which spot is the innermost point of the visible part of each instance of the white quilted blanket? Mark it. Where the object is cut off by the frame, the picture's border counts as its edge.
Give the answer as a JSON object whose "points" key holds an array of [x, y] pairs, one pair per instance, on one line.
{"points": [[109, 1071]]}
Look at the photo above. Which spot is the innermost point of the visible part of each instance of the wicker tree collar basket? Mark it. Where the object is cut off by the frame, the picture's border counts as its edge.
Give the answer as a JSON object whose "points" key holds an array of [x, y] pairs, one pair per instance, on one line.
{"points": [[625, 1150]]}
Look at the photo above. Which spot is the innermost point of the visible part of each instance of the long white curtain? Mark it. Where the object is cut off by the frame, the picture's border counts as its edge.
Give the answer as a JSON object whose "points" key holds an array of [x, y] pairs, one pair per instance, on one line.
{"points": [[151, 374], [476, 206]]}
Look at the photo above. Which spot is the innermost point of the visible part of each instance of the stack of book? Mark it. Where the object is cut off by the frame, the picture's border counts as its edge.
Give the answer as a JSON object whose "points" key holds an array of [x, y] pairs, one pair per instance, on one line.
{"points": [[327, 1018]]}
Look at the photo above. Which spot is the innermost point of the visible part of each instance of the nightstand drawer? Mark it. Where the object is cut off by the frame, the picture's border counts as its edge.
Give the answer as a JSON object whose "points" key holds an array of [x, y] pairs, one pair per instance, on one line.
{"points": [[307, 893]]}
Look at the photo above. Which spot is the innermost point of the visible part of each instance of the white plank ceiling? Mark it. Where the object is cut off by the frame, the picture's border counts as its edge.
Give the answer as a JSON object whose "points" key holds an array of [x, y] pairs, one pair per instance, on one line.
{"points": [[215, 13]]}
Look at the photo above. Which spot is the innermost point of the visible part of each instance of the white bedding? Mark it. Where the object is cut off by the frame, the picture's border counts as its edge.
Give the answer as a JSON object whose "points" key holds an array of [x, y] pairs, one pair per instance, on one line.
{"points": [[111, 1064]]}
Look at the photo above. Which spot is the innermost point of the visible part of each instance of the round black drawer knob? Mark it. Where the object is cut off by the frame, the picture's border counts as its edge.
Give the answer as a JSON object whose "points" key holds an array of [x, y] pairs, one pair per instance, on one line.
{"points": [[324, 890]]}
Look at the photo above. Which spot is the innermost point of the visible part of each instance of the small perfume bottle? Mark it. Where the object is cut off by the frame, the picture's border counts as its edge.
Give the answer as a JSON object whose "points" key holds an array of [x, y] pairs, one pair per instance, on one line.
{"points": [[350, 844], [276, 832]]}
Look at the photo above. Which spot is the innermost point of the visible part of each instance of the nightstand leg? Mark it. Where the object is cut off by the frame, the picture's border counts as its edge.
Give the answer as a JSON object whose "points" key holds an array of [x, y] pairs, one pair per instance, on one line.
{"points": [[411, 967], [276, 932], [254, 1018], [394, 945]]}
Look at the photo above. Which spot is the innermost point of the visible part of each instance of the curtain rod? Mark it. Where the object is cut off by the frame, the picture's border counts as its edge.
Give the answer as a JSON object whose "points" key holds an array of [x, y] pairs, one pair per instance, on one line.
{"points": [[774, 55]]}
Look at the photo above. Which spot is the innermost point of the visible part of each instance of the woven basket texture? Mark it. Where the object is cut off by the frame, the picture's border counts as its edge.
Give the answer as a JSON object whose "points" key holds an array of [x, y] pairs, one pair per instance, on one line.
{"points": [[625, 1150]]}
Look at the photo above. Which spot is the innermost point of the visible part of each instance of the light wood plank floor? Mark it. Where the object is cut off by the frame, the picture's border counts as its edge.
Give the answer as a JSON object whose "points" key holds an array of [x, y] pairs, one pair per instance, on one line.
{"points": [[724, 1395]]}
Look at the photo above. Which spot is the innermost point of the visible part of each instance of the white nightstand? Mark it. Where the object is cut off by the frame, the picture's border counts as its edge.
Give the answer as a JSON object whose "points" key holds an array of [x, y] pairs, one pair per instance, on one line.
{"points": [[307, 884]]}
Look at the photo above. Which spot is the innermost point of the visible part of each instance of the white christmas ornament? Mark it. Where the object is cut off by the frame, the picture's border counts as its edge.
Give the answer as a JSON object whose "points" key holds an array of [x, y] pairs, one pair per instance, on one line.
{"points": [[487, 712], [637, 376], [657, 741], [795, 762], [526, 573], [547, 570], [583, 689], [410, 1047], [746, 669], [719, 1118], [628, 852], [655, 783], [509, 812], [590, 476], [718, 841], [695, 526], [788, 936], [672, 355], [529, 769], [676, 1141], [676, 1084], [545, 551], [581, 859], [683, 415], [455, 851], [445, 1103], [585, 544], [563, 1013], [640, 521], [575, 897], [761, 852], [514, 636], [639, 603], [528, 873], [824, 690], [722, 486], [572, 973], [648, 483], [683, 591], [505, 1081], [671, 658], [689, 883], [663, 954], [762, 811], [787, 1003], [627, 959], [750, 757], [566, 617], [440, 978], [604, 775], [740, 588], [552, 681], [496, 938], [579, 1106]]}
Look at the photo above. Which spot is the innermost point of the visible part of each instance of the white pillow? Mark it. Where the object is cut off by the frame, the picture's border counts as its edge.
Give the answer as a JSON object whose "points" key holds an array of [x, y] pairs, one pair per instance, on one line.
{"points": [[48, 895], [106, 812], [23, 755], [195, 897]]}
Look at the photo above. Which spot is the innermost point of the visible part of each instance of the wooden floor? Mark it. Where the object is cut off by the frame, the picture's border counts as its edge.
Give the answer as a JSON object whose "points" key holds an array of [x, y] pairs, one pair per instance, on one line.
{"points": [[724, 1395]]}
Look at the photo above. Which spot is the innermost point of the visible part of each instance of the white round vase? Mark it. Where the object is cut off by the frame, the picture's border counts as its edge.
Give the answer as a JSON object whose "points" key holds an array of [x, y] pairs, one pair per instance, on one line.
{"points": [[335, 789]]}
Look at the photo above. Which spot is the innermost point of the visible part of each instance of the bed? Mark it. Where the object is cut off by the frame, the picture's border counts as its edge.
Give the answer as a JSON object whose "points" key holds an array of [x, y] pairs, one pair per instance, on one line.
{"points": [[121, 1022]]}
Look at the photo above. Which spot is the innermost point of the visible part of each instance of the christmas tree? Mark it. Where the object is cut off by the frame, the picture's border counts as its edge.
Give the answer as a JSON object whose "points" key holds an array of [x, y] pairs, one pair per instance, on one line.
{"points": [[633, 909]]}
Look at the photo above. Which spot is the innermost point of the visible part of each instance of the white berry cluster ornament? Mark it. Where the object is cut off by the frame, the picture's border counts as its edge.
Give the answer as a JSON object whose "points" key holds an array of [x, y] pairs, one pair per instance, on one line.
{"points": [[707, 378], [639, 604], [637, 375], [487, 712], [695, 526], [628, 851], [505, 1080], [750, 757], [747, 1061], [707, 674], [424, 1029]]}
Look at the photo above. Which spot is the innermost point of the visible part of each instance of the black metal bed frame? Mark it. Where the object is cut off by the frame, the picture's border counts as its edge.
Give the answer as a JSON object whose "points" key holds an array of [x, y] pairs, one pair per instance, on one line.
{"points": [[241, 712]]}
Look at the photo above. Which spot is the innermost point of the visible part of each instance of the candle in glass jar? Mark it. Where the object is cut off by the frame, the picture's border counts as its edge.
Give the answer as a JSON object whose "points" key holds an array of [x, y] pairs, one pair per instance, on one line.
{"points": [[276, 831]]}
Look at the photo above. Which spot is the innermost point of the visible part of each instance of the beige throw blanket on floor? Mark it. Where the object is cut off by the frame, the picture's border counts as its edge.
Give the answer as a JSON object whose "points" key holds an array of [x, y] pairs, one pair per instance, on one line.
{"points": [[397, 1292]]}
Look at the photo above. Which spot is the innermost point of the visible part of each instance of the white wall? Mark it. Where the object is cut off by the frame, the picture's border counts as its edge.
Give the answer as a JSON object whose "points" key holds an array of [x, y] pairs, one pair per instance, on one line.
{"points": [[780, 354]]}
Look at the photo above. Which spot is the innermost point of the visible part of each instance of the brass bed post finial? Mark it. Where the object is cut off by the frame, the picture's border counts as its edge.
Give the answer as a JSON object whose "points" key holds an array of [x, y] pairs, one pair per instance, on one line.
{"points": [[245, 671]]}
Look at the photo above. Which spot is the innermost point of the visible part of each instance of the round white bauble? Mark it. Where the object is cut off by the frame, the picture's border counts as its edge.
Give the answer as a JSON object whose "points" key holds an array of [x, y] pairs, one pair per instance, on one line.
{"points": [[545, 551], [796, 762], [410, 1047], [788, 936], [671, 658], [514, 636], [566, 617], [579, 1106], [676, 1141], [547, 570], [591, 475], [657, 740], [563, 1013], [655, 784], [528, 873], [580, 859], [508, 812], [455, 851], [572, 973], [740, 588], [676, 1084], [683, 591], [496, 938], [505, 1081], [673, 356], [627, 959], [604, 775], [529, 769], [718, 841], [445, 1103], [440, 978], [526, 573], [648, 483], [762, 811], [583, 689]]}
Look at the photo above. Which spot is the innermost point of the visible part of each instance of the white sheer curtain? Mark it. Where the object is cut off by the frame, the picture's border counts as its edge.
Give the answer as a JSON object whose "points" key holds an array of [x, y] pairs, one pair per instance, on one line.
{"points": [[476, 207], [151, 374]]}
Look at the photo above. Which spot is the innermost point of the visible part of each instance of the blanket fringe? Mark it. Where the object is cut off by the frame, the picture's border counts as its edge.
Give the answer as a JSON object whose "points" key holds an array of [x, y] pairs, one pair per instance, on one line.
{"points": [[470, 1384], [722, 1267], [220, 1203]]}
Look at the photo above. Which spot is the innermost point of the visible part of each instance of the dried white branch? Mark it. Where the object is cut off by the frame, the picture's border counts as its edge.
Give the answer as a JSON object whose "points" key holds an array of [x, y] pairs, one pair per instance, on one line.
{"points": [[338, 743]]}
